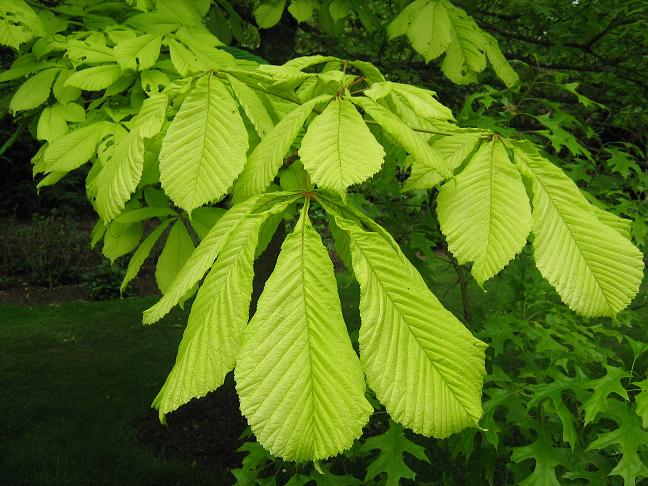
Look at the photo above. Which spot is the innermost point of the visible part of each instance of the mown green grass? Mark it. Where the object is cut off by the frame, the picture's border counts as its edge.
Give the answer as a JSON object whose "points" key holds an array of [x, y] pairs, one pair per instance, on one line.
{"points": [[75, 380]]}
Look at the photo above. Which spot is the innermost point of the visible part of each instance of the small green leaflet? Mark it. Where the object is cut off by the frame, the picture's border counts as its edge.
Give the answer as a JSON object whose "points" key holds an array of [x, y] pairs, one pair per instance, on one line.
{"points": [[51, 124], [595, 270], [122, 173], [422, 363], [218, 315], [33, 92], [204, 149], [18, 23], [252, 106], [75, 148], [426, 24], [95, 78], [176, 252], [203, 219], [268, 12], [338, 149], [119, 178], [121, 239], [392, 445], [484, 212], [266, 158], [299, 381], [139, 53], [419, 101], [465, 56]]}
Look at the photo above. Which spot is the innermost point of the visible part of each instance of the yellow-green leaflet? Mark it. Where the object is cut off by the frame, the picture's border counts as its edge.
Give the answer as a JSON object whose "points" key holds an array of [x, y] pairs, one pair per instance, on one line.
{"points": [[338, 149], [204, 255], [595, 270], [422, 363], [484, 211], [218, 315], [266, 158], [299, 381], [204, 149]]}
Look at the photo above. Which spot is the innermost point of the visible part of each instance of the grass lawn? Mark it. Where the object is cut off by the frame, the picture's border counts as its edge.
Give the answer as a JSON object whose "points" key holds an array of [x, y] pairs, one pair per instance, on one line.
{"points": [[76, 379]]}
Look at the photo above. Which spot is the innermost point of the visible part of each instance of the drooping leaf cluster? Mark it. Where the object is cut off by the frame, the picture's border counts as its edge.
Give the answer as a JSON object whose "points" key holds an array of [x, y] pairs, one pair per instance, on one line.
{"points": [[186, 136]]}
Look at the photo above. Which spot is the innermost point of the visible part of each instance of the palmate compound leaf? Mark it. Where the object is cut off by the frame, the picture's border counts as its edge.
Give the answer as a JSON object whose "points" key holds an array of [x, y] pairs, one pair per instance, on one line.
{"points": [[266, 158], [298, 378], [205, 147], [338, 149], [484, 211], [595, 270], [218, 315], [422, 363]]}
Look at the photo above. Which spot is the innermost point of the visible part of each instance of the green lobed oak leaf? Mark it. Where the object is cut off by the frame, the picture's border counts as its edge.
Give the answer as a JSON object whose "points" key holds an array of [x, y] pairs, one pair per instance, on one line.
{"points": [[547, 459], [602, 388], [630, 439], [392, 445]]}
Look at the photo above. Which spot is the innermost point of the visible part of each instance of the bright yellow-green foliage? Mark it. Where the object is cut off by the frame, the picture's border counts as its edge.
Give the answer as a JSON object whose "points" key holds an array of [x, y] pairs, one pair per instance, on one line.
{"points": [[299, 380], [184, 135], [484, 211]]}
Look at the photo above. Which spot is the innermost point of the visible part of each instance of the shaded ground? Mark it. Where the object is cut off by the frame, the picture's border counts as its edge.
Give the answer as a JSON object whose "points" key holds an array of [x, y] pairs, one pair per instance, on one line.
{"points": [[206, 432], [77, 381]]}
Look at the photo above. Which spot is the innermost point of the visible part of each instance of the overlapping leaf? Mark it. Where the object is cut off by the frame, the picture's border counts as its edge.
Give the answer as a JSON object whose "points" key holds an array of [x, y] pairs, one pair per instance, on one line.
{"points": [[338, 149], [218, 315], [595, 270], [422, 363], [204, 255], [266, 158], [484, 211], [204, 149], [299, 381]]}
